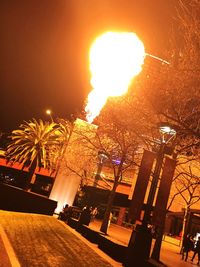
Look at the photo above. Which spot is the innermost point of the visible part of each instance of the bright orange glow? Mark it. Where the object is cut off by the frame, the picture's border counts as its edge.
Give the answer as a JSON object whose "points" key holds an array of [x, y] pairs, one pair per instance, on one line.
{"points": [[115, 59], [48, 112]]}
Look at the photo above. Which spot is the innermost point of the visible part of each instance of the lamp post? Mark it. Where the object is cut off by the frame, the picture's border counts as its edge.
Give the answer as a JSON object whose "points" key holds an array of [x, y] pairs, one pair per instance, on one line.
{"points": [[102, 156], [167, 135], [154, 184], [140, 242], [49, 112]]}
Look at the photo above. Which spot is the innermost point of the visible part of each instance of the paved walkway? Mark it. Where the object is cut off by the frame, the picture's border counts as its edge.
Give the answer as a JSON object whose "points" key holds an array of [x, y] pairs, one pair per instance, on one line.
{"points": [[38, 240], [7, 254], [4, 258], [94, 246], [170, 253]]}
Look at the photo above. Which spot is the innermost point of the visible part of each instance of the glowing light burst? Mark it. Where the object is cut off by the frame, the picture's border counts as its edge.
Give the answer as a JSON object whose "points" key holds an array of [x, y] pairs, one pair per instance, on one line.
{"points": [[115, 59]]}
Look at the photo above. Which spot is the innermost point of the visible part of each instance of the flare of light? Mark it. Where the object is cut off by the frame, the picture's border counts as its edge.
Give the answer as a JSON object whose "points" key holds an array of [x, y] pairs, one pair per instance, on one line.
{"points": [[115, 59], [48, 112]]}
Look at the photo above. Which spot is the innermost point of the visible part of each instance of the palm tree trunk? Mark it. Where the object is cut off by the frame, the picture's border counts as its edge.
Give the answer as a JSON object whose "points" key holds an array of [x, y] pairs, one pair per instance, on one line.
{"points": [[30, 179]]}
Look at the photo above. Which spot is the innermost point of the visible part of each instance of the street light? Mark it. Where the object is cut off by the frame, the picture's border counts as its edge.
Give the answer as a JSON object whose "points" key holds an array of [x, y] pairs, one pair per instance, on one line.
{"points": [[167, 135], [102, 156], [49, 112], [141, 239]]}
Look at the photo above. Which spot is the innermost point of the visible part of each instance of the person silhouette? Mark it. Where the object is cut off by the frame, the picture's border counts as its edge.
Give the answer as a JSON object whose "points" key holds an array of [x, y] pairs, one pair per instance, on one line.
{"points": [[187, 246], [197, 251]]}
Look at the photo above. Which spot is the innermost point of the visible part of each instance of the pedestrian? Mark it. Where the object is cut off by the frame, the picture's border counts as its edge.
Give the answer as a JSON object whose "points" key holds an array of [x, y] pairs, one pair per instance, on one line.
{"points": [[197, 251], [62, 214], [187, 246], [66, 213], [94, 212], [85, 217]]}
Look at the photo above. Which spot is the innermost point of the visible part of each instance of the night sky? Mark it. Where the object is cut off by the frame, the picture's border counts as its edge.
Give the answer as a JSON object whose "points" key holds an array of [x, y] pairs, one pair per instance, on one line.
{"points": [[45, 44]]}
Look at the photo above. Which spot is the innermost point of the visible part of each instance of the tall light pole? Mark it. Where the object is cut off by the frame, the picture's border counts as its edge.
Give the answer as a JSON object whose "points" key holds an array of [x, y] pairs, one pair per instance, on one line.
{"points": [[140, 242], [49, 112], [167, 135]]}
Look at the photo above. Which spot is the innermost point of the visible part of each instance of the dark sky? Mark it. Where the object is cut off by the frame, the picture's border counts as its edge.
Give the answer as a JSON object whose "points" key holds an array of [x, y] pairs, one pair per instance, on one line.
{"points": [[44, 50]]}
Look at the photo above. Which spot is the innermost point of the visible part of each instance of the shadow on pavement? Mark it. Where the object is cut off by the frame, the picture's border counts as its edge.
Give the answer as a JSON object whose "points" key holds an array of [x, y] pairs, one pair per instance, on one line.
{"points": [[113, 249]]}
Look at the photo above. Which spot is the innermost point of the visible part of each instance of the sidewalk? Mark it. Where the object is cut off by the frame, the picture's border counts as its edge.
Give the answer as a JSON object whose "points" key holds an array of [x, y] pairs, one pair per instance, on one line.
{"points": [[58, 236], [94, 246], [32, 240], [4, 262], [170, 253]]}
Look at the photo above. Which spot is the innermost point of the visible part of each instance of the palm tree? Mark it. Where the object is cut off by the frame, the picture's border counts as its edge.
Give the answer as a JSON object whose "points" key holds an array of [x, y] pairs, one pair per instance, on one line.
{"points": [[32, 145]]}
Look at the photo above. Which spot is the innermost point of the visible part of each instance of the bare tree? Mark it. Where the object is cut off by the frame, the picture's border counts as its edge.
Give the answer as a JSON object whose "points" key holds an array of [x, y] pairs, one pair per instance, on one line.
{"points": [[118, 141], [121, 146], [77, 154], [186, 186], [171, 91]]}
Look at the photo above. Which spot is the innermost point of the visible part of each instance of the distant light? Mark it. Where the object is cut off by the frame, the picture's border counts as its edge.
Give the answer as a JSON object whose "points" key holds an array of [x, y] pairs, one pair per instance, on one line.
{"points": [[48, 111], [167, 130], [168, 133], [116, 161]]}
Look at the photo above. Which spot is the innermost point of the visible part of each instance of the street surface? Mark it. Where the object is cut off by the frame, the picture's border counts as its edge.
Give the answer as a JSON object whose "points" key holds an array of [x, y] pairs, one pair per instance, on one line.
{"points": [[170, 253]]}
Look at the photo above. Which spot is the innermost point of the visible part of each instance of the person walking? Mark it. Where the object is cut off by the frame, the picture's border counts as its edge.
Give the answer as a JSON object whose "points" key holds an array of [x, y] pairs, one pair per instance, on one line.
{"points": [[94, 212], [63, 213], [85, 217], [197, 251], [187, 246]]}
